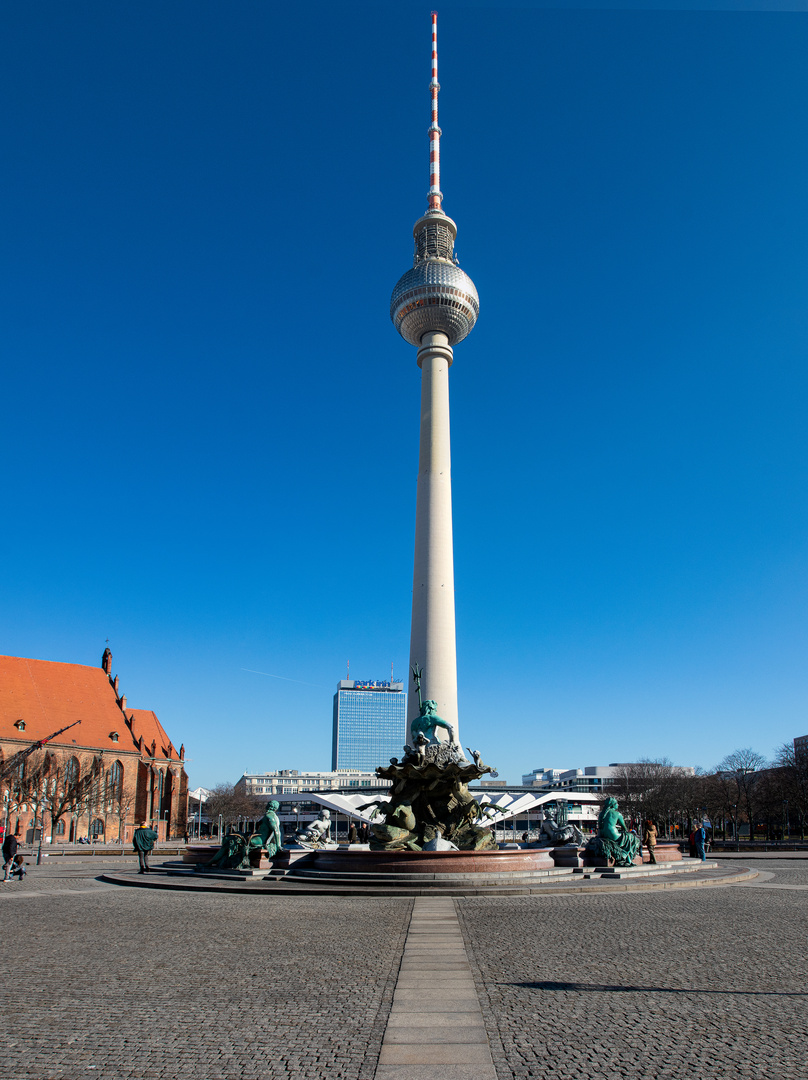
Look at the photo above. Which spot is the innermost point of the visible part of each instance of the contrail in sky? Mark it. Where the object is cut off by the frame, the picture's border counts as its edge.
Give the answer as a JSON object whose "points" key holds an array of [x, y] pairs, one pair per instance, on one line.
{"points": [[269, 675]]}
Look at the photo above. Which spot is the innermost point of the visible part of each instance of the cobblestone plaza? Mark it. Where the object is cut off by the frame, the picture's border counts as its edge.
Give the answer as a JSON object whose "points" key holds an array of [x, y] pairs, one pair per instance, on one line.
{"points": [[115, 982]]}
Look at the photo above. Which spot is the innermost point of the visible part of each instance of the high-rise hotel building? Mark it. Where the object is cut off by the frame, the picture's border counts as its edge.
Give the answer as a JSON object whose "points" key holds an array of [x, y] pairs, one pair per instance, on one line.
{"points": [[370, 724]]}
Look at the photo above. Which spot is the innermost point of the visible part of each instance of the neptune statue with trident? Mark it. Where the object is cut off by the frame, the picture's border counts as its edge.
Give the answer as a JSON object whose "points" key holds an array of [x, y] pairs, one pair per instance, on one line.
{"points": [[428, 721]]}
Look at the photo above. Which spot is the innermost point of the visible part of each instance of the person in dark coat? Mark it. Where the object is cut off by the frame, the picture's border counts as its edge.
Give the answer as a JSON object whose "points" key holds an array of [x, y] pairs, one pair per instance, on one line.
{"points": [[700, 838], [144, 841], [9, 851], [353, 835]]}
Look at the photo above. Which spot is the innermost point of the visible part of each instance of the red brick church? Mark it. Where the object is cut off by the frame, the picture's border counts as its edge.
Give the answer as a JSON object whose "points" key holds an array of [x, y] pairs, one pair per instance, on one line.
{"points": [[101, 777]]}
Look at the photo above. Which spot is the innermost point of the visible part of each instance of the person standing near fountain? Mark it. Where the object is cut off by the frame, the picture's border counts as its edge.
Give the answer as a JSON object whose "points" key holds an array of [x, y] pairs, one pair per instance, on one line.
{"points": [[700, 841], [143, 841], [649, 839]]}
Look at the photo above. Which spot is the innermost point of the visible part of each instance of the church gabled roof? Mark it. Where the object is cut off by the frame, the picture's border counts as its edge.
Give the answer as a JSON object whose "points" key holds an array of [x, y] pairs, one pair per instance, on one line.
{"points": [[37, 697], [144, 722]]}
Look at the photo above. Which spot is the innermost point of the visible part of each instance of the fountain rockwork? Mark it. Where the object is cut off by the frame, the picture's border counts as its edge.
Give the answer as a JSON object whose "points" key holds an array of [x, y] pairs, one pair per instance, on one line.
{"points": [[431, 804]]}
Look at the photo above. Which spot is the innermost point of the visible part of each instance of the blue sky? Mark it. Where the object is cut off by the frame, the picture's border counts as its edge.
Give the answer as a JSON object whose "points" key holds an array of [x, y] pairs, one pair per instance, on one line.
{"points": [[209, 425]]}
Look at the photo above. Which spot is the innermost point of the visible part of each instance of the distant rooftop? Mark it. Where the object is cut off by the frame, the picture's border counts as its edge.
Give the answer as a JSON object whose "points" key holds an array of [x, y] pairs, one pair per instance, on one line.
{"points": [[359, 684]]}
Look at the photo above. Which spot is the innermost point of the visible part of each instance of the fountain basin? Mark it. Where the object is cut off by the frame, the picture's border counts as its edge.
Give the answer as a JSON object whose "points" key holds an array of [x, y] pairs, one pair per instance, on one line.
{"points": [[431, 862], [199, 853]]}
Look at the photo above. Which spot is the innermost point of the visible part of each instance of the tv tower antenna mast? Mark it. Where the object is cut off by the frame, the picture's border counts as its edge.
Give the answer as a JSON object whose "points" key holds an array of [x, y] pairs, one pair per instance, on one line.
{"points": [[434, 306], [435, 195]]}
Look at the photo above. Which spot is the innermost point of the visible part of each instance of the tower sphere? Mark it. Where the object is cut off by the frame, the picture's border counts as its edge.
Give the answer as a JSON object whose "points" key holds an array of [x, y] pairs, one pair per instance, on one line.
{"points": [[435, 295]]}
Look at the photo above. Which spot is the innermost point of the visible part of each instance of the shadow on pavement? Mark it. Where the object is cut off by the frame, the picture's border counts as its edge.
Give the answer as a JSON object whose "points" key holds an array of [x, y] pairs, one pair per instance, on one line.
{"points": [[601, 987]]}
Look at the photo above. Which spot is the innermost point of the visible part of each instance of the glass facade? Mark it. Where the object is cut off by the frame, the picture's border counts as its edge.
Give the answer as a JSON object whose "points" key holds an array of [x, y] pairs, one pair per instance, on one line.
{"points": [[370, 725]]}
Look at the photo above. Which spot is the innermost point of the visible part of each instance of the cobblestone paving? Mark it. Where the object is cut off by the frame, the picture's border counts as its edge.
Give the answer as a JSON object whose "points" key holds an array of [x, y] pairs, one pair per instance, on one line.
{"points": [[786, 871], [128, 983], [40, 880], [131, 984], [701, 984]]}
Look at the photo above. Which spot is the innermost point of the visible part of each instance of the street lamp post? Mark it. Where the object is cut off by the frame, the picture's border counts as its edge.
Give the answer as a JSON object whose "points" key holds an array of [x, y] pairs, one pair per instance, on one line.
{"points": [[41, 831], [41, 809], [123, 814], [44, 803]]}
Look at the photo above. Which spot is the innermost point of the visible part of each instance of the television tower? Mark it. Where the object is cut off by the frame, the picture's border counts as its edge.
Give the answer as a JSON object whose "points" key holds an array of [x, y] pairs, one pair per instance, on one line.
{"points": [[433, 306]]}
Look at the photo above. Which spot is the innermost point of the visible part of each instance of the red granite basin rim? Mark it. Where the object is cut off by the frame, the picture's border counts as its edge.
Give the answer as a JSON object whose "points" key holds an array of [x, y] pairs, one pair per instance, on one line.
{"points": [[430, 862], [199, 853]]}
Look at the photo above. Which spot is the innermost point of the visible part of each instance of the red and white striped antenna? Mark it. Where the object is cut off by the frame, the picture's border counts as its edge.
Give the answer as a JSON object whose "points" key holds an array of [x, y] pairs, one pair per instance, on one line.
{"points": [[435, 195]]}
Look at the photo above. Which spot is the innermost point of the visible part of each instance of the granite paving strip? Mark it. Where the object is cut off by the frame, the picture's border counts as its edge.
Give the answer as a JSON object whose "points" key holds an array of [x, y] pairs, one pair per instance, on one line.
{"points": [[435, 1030]]}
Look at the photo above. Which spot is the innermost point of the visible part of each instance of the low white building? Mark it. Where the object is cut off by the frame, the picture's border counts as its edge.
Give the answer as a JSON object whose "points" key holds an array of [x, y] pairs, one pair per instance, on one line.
{"points": [[292, 782], [592, 779], [297, 794]]}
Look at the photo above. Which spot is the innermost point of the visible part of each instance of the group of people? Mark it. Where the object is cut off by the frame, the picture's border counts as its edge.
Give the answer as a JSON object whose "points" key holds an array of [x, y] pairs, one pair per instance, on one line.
{"points": [[698, 842], [359, 835]]}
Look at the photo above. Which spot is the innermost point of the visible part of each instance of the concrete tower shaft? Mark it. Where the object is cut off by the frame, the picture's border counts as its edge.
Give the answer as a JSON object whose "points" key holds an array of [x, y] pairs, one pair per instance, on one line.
{"points": [[432, 629], [434, 305]]}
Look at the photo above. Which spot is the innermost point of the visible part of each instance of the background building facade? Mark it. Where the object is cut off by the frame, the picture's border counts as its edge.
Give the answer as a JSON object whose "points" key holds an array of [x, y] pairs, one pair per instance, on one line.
{"points": [[292, 782], [370, 724], [595, 779]]}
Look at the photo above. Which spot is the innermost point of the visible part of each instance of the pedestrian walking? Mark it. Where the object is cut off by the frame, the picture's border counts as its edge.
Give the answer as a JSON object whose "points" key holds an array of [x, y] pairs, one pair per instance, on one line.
{"points": [[143, 841], [699, 840], [649, 838], [353, 835], [9, 851]]}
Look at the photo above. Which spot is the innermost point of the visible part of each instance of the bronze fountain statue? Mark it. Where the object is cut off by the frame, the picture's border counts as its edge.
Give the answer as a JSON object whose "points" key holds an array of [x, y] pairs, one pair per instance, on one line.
{"points": [[430, 804]]}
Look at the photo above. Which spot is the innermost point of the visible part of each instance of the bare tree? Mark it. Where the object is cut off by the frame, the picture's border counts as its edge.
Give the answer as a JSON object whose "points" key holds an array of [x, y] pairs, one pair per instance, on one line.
{"points": [[794, 767], [28, 788], [740, 774], [653, 790], [226, 802], [64, 779], [712, 798], [773, 796], [14, 790], [89, 794]]}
